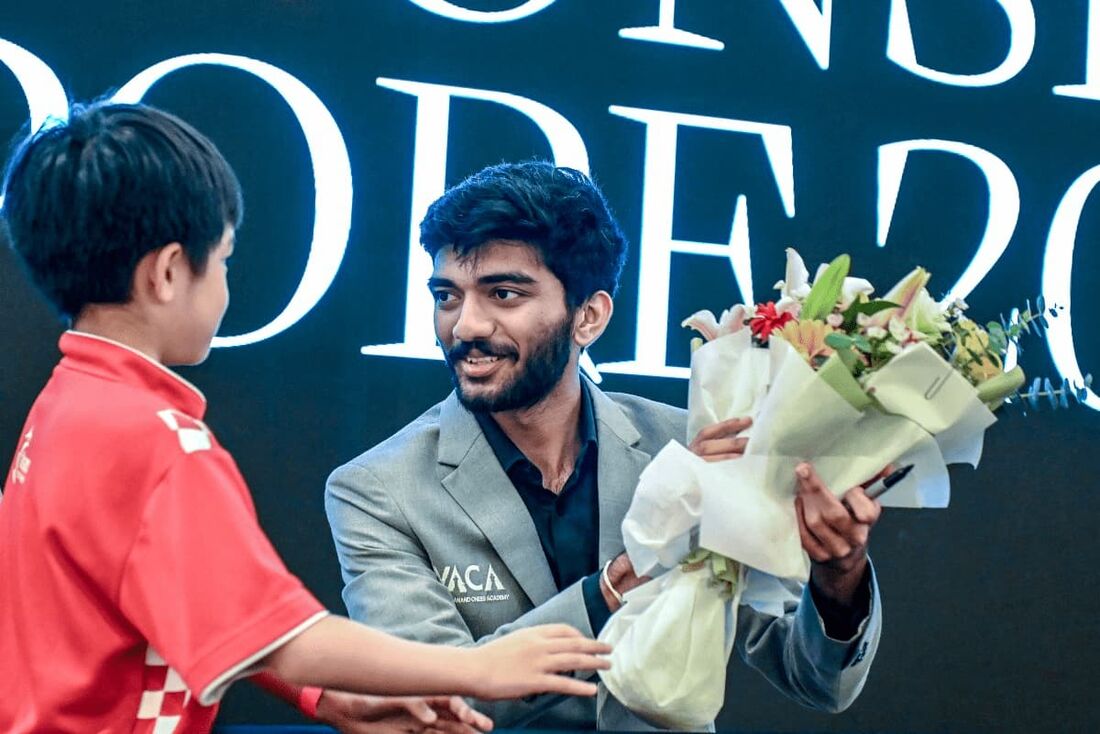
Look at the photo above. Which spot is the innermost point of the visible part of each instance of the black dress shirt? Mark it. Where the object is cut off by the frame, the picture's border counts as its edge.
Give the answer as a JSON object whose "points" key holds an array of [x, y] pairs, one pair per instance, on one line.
{"points": [[568, 523]]}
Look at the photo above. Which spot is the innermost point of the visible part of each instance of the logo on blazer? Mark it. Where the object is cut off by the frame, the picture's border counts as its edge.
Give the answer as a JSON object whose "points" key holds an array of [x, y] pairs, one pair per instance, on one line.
{"points": [[472, 585]]}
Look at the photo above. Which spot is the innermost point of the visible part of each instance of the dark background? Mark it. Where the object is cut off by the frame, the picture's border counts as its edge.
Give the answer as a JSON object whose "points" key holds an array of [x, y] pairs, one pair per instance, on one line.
{"points": [[988, 604]]}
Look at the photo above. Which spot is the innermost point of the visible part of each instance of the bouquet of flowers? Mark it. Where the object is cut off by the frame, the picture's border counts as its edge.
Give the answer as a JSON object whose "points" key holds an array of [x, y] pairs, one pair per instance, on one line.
{"points": [[829, 375]]}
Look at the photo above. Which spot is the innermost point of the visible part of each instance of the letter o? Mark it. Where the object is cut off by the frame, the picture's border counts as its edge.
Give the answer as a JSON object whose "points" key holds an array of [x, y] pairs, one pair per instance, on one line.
{"points": [[45, 96], [457, 12], [331, 174]]}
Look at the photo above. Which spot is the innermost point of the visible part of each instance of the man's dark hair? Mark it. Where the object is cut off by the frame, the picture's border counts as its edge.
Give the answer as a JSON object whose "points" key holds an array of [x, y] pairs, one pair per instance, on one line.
{"points": [[559, 211], [85, 200]]}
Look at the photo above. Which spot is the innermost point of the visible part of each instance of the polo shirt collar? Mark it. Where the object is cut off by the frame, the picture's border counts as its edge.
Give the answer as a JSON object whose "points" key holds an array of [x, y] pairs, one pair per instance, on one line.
{"points": [[112, 360]]}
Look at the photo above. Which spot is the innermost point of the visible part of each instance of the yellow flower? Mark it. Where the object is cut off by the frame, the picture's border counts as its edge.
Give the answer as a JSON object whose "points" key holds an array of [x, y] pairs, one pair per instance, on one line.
{"points": [[808, 338], [973, 338]]}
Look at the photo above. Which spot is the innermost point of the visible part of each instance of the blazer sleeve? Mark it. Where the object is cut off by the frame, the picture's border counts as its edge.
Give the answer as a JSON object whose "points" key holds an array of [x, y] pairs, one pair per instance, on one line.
{"points": [[390, 584], [796, 655]]}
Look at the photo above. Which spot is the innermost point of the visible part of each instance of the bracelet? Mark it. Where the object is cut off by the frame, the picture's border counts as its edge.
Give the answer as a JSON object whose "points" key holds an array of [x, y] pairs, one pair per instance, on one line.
{"points": [[607, 582]]}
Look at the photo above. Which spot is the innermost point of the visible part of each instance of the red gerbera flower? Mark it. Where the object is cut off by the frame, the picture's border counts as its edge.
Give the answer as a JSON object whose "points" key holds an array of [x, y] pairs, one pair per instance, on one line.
{"points": [[766, 320]]}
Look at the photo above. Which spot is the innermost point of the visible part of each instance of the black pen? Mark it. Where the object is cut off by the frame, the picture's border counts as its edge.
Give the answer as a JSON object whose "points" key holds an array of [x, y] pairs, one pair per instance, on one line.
{"points": [[879, 488]]}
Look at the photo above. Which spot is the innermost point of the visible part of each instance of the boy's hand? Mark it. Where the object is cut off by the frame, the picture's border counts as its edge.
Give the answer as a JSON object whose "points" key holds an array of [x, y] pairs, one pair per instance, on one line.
{"points": [[351, 713], [533, 660]]}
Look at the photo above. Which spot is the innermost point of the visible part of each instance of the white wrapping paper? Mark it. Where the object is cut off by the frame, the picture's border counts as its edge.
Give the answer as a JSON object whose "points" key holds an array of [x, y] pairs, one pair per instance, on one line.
{"points": [[682, 621], [673, 637]]}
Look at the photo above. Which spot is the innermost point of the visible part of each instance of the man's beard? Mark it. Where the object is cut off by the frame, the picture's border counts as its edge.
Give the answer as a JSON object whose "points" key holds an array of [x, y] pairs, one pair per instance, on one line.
{"points": [[542, 372]]}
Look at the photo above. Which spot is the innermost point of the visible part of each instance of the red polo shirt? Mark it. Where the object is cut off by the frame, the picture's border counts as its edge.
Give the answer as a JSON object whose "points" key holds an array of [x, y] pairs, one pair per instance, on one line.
{"points": [[135, 581]]}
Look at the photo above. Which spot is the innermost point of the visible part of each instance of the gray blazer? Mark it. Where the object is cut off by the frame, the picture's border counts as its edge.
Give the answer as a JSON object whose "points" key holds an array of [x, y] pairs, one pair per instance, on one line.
{"points": [[436, 545]]}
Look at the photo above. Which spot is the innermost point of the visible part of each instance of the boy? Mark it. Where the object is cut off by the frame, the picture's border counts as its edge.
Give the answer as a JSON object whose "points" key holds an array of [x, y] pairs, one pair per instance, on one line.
{"points": [[136, 582]]}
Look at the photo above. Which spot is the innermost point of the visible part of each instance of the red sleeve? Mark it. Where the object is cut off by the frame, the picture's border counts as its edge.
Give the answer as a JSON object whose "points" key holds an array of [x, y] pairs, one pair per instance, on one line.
{"points": [[203, 583]]}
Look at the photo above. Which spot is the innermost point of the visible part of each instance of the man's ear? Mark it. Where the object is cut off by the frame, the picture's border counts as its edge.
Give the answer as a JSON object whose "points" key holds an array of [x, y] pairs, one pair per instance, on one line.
{"points": [[592, 318], [158, 277]]}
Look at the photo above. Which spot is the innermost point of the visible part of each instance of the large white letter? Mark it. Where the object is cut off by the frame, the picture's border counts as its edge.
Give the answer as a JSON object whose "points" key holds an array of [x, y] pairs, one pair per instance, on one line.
{"points": [[331, 179], [45, 96], [812, 24], [1091, 88], [815, 26], [429, 182], [457, 12], [666, 31], [1004, 201], [1021, 24], [1058, 274], [657, 243]]}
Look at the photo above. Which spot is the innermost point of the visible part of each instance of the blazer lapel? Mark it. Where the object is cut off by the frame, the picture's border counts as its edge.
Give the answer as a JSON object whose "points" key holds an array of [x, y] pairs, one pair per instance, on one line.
{"points": [[618, 468], [470, 472]]}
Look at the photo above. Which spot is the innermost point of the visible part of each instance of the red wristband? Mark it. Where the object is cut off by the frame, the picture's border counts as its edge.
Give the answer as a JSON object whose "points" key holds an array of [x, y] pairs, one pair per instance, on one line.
{"points": [[308, 700]]}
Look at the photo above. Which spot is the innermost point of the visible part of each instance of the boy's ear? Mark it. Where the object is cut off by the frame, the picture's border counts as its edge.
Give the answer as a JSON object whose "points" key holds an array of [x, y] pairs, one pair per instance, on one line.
{"points": [[157, 276], [592, 318]]}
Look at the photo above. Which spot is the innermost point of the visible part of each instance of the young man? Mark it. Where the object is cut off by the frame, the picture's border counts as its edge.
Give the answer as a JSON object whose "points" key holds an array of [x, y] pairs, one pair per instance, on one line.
{"points": [[137, 584], [498, 508]]}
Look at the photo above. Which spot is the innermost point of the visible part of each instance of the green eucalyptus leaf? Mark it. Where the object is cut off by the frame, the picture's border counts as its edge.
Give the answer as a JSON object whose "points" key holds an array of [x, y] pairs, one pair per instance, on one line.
{"points": [[998, 344]]}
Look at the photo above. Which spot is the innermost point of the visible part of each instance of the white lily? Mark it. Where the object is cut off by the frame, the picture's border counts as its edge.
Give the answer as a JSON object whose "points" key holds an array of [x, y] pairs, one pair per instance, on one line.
{"points": [[732, 320], [796, 285], [916, 308], [852, 289]]}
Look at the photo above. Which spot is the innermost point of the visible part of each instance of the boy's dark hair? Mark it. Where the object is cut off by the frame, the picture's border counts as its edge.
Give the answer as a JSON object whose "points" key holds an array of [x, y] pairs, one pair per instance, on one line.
{"points": [[87, 199], [559, 211]]}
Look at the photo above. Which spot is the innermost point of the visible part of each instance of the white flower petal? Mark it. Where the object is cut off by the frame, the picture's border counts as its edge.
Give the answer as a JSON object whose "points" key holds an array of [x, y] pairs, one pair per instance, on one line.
{"points": [[852, 289], [733, 319], [797, 281], [703, 322], [877, 332], [788, 305]]}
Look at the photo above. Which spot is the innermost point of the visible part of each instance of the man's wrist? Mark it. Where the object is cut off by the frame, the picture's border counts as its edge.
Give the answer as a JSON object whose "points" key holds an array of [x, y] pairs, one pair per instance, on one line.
{"points": [[611, 595], [842, 598], [840, 585], [595, 604]]}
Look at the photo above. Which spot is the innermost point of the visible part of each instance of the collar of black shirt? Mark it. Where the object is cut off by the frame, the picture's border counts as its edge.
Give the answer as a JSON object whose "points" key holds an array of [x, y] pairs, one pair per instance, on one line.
{"points": [[514, 462]]}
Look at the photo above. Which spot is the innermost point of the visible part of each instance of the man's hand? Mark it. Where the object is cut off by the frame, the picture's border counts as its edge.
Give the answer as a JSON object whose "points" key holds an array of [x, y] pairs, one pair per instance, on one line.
{"points": [[716, 442], [351, 713], [835, 532], [536, 660], [720, 441], [622, 577]]}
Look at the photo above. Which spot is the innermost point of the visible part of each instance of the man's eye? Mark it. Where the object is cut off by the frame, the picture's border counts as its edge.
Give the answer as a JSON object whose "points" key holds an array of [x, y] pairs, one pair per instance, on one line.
{"points": [[504, 294], [442, 296]]}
